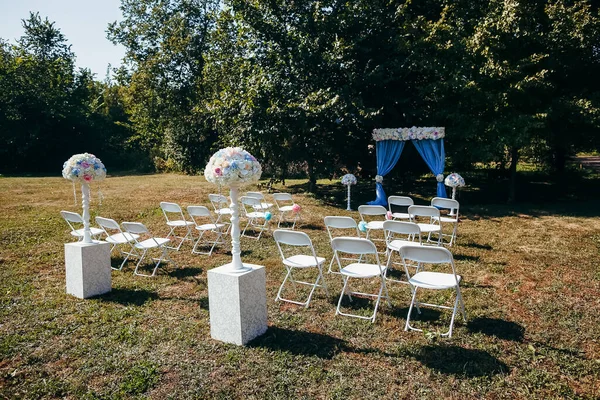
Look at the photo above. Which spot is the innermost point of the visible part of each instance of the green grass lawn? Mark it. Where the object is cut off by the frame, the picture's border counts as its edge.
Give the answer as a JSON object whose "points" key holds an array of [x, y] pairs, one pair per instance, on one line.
{"points": [[531, 285]]}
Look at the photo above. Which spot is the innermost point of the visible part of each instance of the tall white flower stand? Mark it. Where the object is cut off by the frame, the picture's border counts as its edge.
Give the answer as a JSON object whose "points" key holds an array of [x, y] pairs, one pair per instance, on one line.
{"points": [[87, 263], [237, 298]]}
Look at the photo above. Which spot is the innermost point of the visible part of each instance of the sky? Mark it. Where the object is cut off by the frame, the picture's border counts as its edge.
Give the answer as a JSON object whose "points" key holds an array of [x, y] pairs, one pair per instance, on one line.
{"points": [[82, 22]]}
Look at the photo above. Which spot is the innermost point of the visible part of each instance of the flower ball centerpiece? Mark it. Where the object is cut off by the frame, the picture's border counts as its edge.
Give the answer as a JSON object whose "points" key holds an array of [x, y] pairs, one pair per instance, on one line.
{"points": [[84, 168], [349, 180], [454, 180], [233, 167]]}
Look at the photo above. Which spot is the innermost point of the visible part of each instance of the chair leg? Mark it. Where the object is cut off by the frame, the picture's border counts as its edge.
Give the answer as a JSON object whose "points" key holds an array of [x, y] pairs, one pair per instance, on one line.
{"points": [[135, 271], [407, 325], [337, 310], [278, 297]]}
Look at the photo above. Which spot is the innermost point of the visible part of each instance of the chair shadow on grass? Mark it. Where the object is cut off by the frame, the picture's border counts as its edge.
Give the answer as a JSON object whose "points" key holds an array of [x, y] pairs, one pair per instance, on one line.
{"points": [[299, 343], [465, 257], [455, 360], [478, 246], [185, 273], [128, 297], [499, 328]]}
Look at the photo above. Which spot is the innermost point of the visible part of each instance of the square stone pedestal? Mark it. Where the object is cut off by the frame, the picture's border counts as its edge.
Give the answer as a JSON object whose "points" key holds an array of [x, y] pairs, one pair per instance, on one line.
{"points": [[87, 269], [237, 304]]}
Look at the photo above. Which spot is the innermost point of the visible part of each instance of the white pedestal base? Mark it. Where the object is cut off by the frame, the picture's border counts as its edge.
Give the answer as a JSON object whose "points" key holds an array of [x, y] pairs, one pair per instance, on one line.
{"points": [[87, 269], [237, 303]]}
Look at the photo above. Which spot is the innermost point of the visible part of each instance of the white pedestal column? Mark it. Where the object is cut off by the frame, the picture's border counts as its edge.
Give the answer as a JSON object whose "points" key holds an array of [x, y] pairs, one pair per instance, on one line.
{"points": [[87, 269], [237, 303]]}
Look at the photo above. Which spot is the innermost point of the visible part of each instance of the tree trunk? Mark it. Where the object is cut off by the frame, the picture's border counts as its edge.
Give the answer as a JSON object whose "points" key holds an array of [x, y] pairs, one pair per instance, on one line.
{"points": [[312, 179], [559, 158], [514, 159]]}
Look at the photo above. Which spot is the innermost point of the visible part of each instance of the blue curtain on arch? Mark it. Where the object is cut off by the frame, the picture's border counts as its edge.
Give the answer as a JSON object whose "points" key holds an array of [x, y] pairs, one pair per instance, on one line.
{"points": [[433, 153], [388, 154]]}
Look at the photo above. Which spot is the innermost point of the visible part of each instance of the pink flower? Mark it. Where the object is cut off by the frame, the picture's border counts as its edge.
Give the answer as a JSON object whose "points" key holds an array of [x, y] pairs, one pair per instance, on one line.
{"points": [[87, 177], [296, 208], [388, 215], [85, 164], [218, 172]]}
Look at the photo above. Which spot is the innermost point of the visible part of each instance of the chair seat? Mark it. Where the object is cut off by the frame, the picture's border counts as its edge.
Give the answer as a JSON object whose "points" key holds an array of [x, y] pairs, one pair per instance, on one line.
{"points": [[256, 214], [93, 232], [401, 215], [434, 280], [208, 227], [446, 219], [120, 238], [180, 222], [397, 244], [151, 243], [302, 261], [222, 211], [286, 208], [429, 228], [362, 270], [375, 225]]}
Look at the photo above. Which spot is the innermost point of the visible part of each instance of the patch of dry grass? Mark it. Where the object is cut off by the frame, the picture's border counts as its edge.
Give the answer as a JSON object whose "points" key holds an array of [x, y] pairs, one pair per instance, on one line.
{"points": [[531, 288]]}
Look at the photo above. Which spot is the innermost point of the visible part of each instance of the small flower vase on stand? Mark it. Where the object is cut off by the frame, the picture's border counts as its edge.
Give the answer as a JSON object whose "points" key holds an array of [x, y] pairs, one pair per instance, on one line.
{"points": [[236, 291], [454, 180], [348, 180]]}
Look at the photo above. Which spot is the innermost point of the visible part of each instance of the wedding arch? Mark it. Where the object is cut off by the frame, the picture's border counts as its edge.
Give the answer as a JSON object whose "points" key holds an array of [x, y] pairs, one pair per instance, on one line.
{"points": [[429, 142]]}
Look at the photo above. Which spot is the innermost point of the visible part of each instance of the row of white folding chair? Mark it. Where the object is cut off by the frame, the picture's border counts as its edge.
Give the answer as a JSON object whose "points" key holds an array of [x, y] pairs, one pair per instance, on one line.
{"points": [[359, 269], [201, 219], [440, 203], [284, 204], [138, 238]]}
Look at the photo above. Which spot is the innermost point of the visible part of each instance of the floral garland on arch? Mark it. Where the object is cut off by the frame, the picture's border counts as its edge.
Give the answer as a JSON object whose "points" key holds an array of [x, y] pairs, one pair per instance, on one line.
{"points": [[414, 133]]}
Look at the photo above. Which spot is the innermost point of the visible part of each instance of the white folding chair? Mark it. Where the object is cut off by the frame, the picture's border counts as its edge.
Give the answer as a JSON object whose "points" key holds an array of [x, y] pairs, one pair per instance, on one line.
{"points": [[285, 204], [198, 214], [117, 238], [263, 202], [73, 218], [177, 221], [300, 243], [359, 270], [400, 201], [340, 227], [255, 215], [451, 218], [139, 229], [432, 280], [374, 216], [222, 209], [397, 235], [428, 219]]}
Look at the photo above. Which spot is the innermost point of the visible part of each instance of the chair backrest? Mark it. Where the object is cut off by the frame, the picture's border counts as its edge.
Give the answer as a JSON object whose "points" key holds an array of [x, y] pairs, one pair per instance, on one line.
{"points": [[428, 255], [170, 207], [134, 227], [423, 211], [256, 195], [334, 222], [282, 197], [217, 201], [371, 211], [107, 223], [441, 202], [401, 201], [353, 245], [250, 204], [198, 211], [291, 238], [402, 228], [71, 217]]}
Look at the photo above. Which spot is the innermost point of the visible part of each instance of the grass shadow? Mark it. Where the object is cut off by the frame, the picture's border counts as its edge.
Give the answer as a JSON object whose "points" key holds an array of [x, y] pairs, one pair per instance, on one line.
{"points": [[299, 343], [128, 297], [187, 272], [499, 328], [203, 302], [427, 314], [478, 246], [464, 257], [458, 361]]}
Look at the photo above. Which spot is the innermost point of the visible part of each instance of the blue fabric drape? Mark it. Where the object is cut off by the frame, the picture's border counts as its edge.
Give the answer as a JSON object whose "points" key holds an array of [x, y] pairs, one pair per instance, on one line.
{"points": [[433, 153], [388, 154]]}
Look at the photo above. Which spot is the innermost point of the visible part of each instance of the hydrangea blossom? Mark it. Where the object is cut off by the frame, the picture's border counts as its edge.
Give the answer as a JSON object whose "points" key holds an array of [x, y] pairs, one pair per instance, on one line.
{"points": [[84, 168], [454, 180], [414, 133], [349, 179], [232, 166]]}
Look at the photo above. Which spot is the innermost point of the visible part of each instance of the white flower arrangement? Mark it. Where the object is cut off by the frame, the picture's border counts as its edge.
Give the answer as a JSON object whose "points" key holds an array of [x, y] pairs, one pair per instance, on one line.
{"points": [[232, 166], [349, 179], [378, 178], [84, 168], [414, 133], [439, 178], [454, 180]]}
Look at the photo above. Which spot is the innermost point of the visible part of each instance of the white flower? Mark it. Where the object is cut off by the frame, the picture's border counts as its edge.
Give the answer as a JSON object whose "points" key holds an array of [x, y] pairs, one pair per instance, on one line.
{"points": [[378, 178], [439, 177]]}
